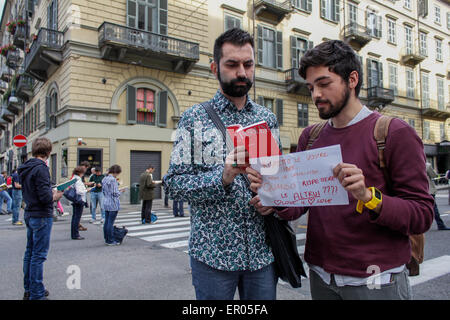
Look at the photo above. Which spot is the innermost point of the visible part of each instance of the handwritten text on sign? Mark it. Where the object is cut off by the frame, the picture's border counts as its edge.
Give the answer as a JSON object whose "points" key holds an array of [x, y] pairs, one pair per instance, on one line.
{"points": [[302, 179]]}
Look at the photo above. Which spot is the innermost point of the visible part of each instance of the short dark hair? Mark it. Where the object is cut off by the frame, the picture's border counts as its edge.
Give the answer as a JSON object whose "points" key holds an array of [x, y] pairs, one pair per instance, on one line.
{"points": [[150, 166], [234, 36], [41, 147], [338, 56], [85, 164], [115, 169]]}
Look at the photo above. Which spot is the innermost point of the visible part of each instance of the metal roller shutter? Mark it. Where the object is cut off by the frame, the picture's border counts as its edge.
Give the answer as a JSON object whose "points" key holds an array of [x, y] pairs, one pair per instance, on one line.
{"points": [[139, 160]]}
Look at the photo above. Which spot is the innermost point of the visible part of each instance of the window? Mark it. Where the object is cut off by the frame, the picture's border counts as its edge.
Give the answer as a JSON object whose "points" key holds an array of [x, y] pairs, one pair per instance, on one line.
{"points": [[408, 40], [440, 93], [299, 46], [426, 130], [393, 78], [442, 131], [439, 49], [232, 22], [304, 5], [268, 103], [352, 13], [412, 123], [448, 20], [329, 9], [374, 73], [373, 24], [392, 32], [425, 90], [302, 115], [37, 113], [150, 15], [437, 15], [145, 106], [51, 106], [410, 83], [270, 47], [423, 44], [407, 4]]}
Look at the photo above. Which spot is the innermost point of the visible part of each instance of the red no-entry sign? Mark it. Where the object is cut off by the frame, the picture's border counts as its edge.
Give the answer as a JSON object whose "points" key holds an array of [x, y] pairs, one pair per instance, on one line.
{"points": [[20, 141]]}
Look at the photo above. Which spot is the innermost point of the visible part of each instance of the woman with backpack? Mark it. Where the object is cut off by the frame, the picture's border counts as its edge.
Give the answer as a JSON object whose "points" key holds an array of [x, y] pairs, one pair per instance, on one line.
{"points": [[111, 204], [78, 206]]}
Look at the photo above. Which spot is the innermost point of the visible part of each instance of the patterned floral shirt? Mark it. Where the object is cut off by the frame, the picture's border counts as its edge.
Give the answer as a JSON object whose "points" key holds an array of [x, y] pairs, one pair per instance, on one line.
{"points": [[226, 232]]}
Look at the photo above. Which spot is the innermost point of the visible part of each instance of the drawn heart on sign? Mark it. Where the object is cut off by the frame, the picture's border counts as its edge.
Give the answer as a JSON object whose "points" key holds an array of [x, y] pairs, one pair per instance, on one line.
{"points": [[311, 201], [277, 202]]}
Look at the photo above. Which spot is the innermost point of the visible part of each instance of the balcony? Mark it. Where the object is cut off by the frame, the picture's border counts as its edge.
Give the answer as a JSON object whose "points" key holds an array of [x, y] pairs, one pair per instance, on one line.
{"points": [[14, 104], [357, 35], [24, 87], [13, 59], [295, 83], [133, 46], [45, 54], [20, 36], [6, 115], [3, 87], [442, 114], [378, 96], [272, 9], [6, 73], [411, 57]]}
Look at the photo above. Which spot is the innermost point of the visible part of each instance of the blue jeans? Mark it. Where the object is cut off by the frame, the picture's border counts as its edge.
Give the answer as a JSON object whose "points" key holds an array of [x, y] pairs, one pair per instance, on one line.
{"points": [[76, 217], [214, 284], [97, 196], [108, 226], [38, 244], [16, 202], [177, 208], [5, 195]]}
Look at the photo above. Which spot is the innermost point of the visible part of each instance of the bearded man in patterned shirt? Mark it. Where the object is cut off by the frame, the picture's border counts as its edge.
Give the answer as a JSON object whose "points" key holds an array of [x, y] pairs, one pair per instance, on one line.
{"points": [[227, 244]]}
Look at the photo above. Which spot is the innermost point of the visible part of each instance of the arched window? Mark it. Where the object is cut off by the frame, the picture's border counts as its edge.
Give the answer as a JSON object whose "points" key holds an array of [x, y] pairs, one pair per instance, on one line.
{"points": [[145, 106], [51, 108]]}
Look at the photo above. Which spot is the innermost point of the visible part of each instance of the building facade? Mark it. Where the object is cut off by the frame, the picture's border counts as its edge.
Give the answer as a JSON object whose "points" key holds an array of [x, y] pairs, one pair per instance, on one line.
{"points": [[107, 81]]}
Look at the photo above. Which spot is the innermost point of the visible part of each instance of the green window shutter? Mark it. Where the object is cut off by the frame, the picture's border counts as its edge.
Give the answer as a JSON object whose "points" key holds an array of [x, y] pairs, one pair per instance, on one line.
{"points": [[163, 17], [260, 100], [55, 14], [48, 102], [279, 106], [323, 9], [131, 105], [131, 13], [294, 56], [279, 49], [309, 5], [380, 74], [162, 112], [260, 45], [369, 74], [379, 26], [310, 45], [337, 12]]}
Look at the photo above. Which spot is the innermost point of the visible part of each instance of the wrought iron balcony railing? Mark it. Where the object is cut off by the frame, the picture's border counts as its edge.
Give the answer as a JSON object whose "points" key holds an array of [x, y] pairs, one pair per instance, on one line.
{"points": [[377, 96], [356, 33], [24, 87], [295, 83], [279, 9]]}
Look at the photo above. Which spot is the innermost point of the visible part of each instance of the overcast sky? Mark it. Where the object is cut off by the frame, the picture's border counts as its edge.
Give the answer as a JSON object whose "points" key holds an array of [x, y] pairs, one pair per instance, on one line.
{"points": [[2, 3]]}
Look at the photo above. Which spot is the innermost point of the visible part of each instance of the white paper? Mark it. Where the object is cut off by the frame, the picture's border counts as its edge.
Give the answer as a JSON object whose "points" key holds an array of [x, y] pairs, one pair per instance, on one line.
{"points": [[301, 179]]}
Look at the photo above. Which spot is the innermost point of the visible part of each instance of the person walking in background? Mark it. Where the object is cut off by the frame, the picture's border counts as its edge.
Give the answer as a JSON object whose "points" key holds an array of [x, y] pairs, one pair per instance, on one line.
{"points": [[111, 203], [16, 198], [431, 174], [178, 210], [39, 197], [95, 181], [4, 195], [78, 207], [146, 194]]}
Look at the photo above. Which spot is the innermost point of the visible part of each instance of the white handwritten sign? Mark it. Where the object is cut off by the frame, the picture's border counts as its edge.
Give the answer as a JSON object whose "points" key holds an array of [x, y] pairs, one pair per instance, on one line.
{"points": [[301, 179]]}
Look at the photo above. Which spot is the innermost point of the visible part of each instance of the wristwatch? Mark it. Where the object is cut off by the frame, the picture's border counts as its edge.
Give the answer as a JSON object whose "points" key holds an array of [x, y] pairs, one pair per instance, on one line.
{"points": [[372, 203]]}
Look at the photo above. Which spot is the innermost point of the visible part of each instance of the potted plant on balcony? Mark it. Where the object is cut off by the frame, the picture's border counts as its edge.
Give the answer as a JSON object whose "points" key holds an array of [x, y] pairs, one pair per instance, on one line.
{"points": [[12, 25], [4, 50]]}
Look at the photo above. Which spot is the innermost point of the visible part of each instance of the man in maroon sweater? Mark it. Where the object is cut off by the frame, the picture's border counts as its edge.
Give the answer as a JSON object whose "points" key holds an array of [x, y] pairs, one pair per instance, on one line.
{"points": [[343, 247]]}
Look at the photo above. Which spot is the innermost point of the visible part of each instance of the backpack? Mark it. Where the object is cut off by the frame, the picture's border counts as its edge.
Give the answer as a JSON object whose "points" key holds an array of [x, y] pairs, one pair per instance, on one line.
{"points": [[119, 233], [380, 133]]}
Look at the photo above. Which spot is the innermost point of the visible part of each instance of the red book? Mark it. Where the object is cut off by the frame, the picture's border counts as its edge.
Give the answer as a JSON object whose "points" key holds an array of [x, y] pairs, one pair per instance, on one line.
{"points": [[257, 139]]}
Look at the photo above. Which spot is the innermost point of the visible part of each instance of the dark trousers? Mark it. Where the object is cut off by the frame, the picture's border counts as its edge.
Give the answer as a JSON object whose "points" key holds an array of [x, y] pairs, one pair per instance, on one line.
{"points": [[146, 210], [76, 217], [437, 215]]}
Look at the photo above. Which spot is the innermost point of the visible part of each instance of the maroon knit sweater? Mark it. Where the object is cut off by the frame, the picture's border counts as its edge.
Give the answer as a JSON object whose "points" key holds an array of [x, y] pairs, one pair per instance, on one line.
{"points": [[342, 241]]}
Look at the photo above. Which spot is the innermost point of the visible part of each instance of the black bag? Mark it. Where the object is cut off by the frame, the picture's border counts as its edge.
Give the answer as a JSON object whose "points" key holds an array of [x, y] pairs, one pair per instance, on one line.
{"points": [[282, 238], [119, 233], [283, 241]]}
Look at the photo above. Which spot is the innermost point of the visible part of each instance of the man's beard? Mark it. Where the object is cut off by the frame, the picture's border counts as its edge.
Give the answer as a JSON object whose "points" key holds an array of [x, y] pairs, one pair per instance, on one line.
{"points": [[232, 89], [334, 109]]}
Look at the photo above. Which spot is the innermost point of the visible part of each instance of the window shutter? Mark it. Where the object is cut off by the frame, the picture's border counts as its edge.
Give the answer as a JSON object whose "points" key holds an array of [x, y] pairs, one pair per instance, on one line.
{"points": [[379, 27], [310, 45], [294, 56], [337, 12], [131, 105], [49, 16], [369, 74], [323, 8], [55, 15], [380, 74], [309, 5], [279, 104], [48, 106], [163, 17], [260, 45], [279, 49], [162, 112], [260, 100], [131, 16]]}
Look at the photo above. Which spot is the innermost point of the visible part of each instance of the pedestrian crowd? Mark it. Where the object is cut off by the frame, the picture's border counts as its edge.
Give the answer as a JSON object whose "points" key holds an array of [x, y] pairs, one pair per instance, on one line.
{"points": [[228, 244]]}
